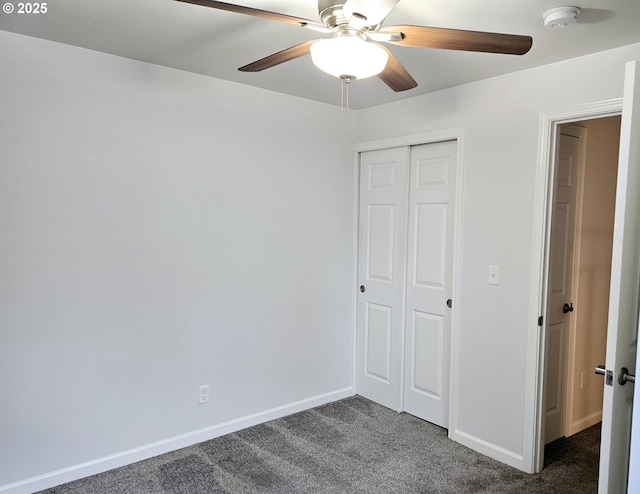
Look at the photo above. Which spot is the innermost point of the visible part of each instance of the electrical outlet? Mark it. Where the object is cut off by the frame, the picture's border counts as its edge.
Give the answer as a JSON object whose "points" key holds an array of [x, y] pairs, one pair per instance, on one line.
{"points": [[203, 394]]}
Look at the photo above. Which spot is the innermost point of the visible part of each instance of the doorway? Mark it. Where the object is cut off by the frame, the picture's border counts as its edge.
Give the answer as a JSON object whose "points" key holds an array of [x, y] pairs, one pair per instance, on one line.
{"points": [[580, 247]]}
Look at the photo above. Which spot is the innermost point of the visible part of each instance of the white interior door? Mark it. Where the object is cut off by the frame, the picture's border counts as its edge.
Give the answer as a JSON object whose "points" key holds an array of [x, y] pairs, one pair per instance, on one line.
{"points": [[560, 279], [429, 273], [623, 300], [381, 271]]}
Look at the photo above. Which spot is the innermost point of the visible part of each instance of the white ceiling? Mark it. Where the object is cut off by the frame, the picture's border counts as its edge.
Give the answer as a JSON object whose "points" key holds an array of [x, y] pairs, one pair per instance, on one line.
{"points": [[215, 43]]}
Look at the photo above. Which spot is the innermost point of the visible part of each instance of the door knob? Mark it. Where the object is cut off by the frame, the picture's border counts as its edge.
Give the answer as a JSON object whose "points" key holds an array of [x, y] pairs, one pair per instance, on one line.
{"points": [[567, 308], [362, 288], [624, 376]]}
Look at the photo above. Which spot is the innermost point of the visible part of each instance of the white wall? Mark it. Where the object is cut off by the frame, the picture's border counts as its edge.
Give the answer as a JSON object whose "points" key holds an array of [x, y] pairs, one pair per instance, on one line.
{"points": [[161, 230], [500, 117]]}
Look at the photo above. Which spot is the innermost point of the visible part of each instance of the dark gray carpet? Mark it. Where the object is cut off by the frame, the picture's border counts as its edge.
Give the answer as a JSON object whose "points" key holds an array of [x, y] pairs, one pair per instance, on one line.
{"points": [[351, 446]]}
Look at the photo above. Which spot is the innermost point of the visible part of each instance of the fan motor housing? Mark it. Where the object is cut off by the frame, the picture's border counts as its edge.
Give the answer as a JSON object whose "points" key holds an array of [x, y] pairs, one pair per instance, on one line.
{"points": [[325, 4], [331, 13]]}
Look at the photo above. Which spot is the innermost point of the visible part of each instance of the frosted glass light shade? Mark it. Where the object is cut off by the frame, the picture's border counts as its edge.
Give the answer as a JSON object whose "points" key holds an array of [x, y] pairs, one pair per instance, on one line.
{"points": [[349, 56]]}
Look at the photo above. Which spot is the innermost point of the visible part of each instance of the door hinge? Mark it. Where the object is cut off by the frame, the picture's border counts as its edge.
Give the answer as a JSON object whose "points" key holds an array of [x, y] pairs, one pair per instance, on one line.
{"points": [[540, 320]]}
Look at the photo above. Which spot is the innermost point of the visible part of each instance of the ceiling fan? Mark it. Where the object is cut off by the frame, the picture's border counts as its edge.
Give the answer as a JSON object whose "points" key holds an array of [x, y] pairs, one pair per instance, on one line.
{"points": [[354, 51]]}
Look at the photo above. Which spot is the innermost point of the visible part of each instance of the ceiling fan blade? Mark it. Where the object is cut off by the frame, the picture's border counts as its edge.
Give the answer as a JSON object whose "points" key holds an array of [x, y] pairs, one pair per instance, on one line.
{"points": [[265, 14], [395, 75], [292, 53], [458, 39], [368, 12]]}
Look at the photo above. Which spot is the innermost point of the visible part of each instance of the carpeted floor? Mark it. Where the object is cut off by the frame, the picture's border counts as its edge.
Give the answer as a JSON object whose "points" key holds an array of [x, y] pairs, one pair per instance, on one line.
{"points": [[351, 446]]}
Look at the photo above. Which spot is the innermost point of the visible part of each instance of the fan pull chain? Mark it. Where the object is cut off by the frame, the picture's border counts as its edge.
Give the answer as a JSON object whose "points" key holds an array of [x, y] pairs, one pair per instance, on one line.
{"points": [[346, 80]]}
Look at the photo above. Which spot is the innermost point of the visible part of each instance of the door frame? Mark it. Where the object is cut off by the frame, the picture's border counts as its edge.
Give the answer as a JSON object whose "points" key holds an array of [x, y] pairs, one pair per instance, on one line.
{"points": [[549, 123], [457, 134]]}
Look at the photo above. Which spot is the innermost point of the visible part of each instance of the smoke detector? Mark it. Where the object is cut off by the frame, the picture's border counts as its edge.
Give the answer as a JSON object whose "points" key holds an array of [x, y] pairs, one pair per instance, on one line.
{"points": [[560, 17]]}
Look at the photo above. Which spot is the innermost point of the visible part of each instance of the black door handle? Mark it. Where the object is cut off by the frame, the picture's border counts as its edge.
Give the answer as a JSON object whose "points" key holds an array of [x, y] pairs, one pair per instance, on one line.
{"points": [[567, 308], [624, 377]]}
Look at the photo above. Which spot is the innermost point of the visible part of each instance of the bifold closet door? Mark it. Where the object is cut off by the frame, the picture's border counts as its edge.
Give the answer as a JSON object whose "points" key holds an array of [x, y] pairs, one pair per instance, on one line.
{"points": [[429, 279], [381, 273]]}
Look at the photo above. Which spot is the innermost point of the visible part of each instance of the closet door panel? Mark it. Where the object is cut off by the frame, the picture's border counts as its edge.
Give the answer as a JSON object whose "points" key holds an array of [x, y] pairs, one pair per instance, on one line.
{"points": [[429, 249], [381, 273]]}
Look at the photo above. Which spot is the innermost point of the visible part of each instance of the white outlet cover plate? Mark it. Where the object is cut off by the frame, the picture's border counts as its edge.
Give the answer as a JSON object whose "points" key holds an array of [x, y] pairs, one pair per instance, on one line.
{"points": [[203, 394]]}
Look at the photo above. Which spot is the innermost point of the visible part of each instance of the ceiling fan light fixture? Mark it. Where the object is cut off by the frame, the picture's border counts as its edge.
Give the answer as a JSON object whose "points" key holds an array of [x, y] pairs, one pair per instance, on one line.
{"points": [[349, 56]]}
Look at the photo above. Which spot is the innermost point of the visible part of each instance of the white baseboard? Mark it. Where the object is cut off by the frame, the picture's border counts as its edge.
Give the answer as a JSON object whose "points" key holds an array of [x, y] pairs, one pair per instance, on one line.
{"points": [[584, 423], [147, 451], [491, 450]]}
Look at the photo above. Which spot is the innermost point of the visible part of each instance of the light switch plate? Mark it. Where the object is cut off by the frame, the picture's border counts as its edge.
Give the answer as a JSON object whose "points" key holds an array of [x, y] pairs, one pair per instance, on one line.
{"points": [[494, 275]]}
